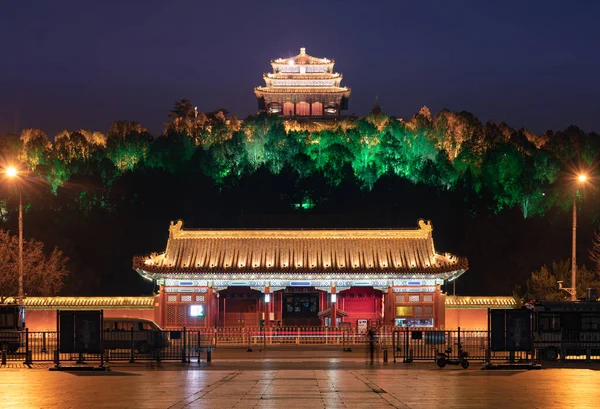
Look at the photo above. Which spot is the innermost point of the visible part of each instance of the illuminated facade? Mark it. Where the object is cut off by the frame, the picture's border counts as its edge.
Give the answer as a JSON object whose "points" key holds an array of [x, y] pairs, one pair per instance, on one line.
{"points": [[300, 277], [303, 86]]}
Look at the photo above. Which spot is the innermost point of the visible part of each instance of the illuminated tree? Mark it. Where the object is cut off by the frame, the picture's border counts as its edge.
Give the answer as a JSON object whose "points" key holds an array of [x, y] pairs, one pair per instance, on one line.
{"points": [[94, 138], [364, 144], [377, 117], [36, 147], [127, 144], [182, 117], [71, 146]]}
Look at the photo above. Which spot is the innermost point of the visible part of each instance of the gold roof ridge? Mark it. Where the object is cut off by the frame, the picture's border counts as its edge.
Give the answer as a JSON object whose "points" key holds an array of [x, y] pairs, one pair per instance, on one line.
{"points": [[424, 230]]}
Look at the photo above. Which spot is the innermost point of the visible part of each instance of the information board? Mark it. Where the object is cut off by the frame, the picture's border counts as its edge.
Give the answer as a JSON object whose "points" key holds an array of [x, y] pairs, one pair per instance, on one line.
{"points": [[80, 331]]}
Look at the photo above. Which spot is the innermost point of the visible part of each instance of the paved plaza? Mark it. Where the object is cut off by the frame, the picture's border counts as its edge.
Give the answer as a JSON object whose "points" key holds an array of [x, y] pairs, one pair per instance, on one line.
{"points": [[297, 384]]}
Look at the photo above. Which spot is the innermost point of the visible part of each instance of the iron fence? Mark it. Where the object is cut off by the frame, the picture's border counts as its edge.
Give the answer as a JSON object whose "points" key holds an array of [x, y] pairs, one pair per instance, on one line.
{"points": [[414, 344], [404, 345], [179, 345]]}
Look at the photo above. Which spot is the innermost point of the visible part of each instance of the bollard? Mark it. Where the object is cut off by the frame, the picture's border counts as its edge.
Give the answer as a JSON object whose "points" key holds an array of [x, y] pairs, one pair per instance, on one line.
{"points": [[183, 358], [132, 352], [27, 351], [385, 355], [56, 357], [80, 359], [43, 350], [209, 355], [3, 356], [199, 347]]}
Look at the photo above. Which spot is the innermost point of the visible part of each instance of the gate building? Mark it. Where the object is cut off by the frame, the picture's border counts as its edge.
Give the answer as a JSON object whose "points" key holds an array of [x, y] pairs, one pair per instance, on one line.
{"points": [[300, 277]]}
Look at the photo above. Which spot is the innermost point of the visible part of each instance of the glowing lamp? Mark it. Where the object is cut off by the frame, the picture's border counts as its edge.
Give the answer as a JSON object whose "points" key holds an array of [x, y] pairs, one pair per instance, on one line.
{"points": [[11, 172], [267, 298], [582, 177], [333, 298]]}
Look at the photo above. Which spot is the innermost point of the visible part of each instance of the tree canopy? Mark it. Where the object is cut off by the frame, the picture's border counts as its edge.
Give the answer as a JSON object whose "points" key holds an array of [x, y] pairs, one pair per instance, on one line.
{"points": [[95, 182]]}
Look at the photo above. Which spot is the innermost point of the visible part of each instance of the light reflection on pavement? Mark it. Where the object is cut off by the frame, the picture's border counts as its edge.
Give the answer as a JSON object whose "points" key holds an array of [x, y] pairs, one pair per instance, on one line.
{"points": [[301, 385]]}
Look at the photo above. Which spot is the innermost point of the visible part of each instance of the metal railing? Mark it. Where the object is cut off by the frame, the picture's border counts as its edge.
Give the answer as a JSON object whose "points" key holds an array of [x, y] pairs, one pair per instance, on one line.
{"points": [[404, 345], [423, 344], [42, 346]]}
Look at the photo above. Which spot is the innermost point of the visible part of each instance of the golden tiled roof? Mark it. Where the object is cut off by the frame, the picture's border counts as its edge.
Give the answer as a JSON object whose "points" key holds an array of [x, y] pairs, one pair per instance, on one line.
{"points": [[479, 302], [300, 251], [143, 302], [302, 59]]}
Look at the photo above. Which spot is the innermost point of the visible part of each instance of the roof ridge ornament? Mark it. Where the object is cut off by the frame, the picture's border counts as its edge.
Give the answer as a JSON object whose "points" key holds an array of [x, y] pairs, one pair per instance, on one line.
{"points": [[302, 50], [175, 228], [425, 225]]}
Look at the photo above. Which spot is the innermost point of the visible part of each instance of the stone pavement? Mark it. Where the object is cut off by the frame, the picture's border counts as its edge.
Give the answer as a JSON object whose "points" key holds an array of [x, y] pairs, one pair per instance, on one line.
{"points": [[298, 385]]}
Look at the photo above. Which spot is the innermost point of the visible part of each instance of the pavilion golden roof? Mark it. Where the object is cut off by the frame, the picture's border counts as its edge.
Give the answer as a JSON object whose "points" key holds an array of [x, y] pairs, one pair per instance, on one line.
{"points": [[300, 251], [302, 59]]}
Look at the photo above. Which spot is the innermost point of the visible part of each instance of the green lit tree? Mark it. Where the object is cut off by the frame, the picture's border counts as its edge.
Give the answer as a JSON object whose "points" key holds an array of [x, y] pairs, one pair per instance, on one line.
{"points": [[128, 144]]}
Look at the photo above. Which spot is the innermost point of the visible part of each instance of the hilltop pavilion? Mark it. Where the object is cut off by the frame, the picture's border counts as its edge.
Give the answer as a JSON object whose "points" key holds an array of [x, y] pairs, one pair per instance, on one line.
{"points": [[303, 86]]}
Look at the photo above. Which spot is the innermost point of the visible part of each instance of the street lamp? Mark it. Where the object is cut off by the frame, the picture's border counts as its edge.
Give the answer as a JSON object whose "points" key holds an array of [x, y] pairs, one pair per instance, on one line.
{"points": [[13, 173], [581, 179]]}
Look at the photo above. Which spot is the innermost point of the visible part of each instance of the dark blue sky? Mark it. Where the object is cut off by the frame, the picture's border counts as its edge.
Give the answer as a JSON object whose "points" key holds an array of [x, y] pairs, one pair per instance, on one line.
{"points": [[74, 64]]}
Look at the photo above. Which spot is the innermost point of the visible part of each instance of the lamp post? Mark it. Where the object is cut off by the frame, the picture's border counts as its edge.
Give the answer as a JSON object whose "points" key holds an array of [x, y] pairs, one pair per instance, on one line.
{"points": [[12, 173], [581, 179]]}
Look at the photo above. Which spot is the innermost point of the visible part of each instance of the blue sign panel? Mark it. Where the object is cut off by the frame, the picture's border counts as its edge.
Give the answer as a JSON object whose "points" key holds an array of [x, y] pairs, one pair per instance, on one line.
{"points": [[300, 283]]}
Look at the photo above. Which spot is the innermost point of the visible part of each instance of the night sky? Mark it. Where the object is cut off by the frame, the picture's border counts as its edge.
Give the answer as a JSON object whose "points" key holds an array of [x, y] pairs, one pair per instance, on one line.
{"points": [[82, 64]]}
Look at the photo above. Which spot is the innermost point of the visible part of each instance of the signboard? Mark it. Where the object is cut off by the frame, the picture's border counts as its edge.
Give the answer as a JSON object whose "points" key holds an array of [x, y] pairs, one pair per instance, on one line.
{"points": [[518, 330], [169, 282], [362, 326], [197, 310], [510, 330], [414, 290], [80, 331]]}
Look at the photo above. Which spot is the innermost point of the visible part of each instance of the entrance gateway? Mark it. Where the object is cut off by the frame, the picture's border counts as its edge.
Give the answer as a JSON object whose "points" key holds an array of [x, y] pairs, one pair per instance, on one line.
{"points": [[247, 278]]}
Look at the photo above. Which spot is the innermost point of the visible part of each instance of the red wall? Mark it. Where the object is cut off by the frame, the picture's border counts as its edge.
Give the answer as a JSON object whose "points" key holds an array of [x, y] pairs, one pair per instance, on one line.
{"points": [[45, 320], [466, 318]]}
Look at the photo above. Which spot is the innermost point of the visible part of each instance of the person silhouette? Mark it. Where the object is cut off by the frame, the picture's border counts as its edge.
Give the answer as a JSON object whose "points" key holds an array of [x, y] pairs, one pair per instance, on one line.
{"points": [[371, 335]]}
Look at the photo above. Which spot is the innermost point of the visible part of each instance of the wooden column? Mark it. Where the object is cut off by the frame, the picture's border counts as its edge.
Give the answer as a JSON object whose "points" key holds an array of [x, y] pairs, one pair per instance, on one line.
{"points": [[160, 308], [334, 308], [389, 307], [268, 307], [439, 308], [212, 305]]}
